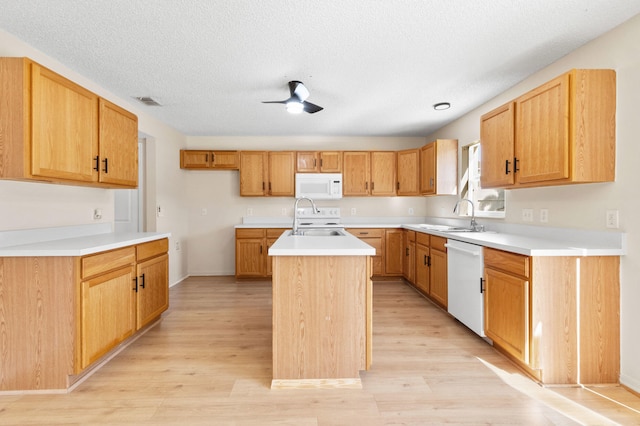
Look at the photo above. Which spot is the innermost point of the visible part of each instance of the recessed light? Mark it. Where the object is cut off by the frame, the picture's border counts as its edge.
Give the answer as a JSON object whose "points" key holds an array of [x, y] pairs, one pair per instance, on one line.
{"points": [[441, 106]]}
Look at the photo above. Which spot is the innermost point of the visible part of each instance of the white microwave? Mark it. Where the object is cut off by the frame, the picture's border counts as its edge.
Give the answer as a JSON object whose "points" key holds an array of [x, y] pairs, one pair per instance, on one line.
{"points": [[319, 186]]}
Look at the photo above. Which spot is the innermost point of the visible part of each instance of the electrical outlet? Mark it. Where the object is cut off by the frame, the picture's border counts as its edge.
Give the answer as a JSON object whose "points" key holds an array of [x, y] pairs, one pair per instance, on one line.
{"points": [[177, 245], [544, 215], [249, 211], [613, 219], [159, 211], [97, 214], [527, 215], [353, 211], [410, 211]]}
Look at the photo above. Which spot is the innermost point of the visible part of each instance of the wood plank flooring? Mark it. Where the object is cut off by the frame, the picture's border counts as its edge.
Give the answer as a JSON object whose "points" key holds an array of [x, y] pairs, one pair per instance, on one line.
{"points": [[208, 362]]}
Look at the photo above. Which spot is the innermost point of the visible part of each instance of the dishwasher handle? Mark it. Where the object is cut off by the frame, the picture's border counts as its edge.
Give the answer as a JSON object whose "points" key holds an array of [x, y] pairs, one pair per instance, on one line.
{"points": [[471, 252]]}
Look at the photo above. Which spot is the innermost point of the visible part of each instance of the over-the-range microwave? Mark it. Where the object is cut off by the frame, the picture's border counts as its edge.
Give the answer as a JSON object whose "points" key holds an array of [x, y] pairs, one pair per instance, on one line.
{"points": [[319, 186]]}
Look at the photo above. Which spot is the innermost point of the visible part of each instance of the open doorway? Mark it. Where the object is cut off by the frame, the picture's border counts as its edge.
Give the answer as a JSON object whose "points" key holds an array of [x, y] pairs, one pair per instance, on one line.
{"points": [[129, 206]]}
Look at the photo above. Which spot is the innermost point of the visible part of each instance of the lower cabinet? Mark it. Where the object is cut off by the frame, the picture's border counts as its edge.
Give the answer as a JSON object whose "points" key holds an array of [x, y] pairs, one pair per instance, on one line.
{"points": [[556, 317], [252, 251], [409, 258], [375, 237], [431, 267], [86, 305], [393, 254]]}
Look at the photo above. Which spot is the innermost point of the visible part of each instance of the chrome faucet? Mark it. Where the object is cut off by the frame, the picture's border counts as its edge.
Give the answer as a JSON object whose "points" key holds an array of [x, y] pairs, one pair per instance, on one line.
{"points": [[295, 213], [475, 227]]}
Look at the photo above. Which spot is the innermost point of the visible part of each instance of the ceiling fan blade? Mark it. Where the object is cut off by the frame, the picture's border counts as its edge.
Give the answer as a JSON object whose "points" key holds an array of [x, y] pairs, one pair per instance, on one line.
{"points": [[311, 108], [298, 89]]}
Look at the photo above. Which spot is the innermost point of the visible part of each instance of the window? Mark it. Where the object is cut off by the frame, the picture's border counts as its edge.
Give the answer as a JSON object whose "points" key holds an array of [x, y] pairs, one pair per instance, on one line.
{"points": [[487, 202]]}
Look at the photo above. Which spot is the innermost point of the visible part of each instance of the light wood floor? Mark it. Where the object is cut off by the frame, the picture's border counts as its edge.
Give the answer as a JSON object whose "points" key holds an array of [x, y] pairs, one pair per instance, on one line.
{"points": [[209, 363]]}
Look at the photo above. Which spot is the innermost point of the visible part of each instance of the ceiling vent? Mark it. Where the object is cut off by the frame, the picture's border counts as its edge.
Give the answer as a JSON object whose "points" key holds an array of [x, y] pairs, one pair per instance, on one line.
{"points": [[147, 100]]}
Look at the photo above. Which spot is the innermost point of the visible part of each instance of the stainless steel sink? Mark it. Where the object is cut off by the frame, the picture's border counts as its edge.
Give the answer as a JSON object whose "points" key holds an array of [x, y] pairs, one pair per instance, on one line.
{"points": [[447, 228], [319, 233]]}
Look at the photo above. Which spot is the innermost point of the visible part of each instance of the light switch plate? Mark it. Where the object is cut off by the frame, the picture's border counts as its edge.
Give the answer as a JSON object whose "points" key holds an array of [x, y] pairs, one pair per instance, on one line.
{"points": [[527, 215]]}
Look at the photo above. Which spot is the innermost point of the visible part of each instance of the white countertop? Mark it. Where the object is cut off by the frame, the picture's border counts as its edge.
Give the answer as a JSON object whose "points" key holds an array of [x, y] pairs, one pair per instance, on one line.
{"points": [[521, 239], [41, 244], [343, 245]]}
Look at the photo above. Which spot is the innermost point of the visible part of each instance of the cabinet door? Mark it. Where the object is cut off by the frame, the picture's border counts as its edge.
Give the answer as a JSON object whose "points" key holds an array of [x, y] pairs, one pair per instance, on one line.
{"points": [[253, 173], [408, 172], [428, 169], [107, 313], [409, 260], [64, 128], [193, 159], [307, 162], [250, 257], [394, 255], [331, 162], [225, 160], [497, 144], [423, 263], [118, 146], [383, 173], [542, 133], [438, 277], [281, 174], [152, 289], [356, 173], [506, 312]]}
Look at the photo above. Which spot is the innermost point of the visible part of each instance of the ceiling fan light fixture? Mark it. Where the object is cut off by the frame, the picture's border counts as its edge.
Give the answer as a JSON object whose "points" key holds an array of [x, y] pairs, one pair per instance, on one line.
{"points": [[441, 106], [295, 107]]}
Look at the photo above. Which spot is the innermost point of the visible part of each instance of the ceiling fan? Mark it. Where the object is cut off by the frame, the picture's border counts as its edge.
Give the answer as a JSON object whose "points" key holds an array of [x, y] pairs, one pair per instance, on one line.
{"points": [[297, 102]]}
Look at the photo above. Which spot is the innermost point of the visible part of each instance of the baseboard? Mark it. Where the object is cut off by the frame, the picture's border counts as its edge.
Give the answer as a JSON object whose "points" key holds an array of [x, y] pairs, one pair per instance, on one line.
{"points": [[631, 384]]}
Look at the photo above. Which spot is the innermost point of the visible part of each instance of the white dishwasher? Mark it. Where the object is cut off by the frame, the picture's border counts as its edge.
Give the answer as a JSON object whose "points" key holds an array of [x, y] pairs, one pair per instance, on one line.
{"points": [[465, 265]]}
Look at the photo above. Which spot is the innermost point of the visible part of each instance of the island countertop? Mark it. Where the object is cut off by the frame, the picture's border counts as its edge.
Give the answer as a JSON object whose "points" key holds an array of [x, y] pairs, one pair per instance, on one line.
{"points": [[340, 245]]}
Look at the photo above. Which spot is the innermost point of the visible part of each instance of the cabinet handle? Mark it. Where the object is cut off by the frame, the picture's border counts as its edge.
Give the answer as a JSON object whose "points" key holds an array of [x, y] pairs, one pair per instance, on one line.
{"points": [[260, 248], [206, 158], [481, 285], [506, 167], [372, 185], [406, 251], [425, 260], [136, 287], [363, 233], [366, 185], [398, 186], [263, 185], [269, 186], [321, 163], [213, 157], [106, 165], [142, 284], [429, 261], [515, 165], [314, 162], [97, 160]]}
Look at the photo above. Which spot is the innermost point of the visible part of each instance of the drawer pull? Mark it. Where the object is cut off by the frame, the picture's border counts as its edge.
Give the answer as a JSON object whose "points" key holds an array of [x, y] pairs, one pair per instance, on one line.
{"points": [[142, 284]]}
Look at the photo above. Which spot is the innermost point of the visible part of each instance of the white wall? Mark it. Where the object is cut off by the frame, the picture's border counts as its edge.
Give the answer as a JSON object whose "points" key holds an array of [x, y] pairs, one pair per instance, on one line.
{"points": [[584, 206], [211, 246], [27, 205]]}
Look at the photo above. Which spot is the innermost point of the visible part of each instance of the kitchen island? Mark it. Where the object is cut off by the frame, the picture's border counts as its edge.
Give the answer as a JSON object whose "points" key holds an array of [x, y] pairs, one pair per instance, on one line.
{"points": [[321, 310]]}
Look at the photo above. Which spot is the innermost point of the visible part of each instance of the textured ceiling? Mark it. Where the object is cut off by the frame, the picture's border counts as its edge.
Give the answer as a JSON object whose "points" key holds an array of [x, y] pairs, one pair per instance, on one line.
{"points": [[376, 66]]}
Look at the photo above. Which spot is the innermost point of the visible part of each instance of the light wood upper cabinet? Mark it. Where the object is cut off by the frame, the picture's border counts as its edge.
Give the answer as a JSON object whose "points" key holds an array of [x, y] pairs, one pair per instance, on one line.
{"points": [[369, 173], [118, 145], [206, 159], [264, 173], [253, 173], [55, 130], [282, 174], [563, 132], [439, 167], [318, 162], [497, 135], [408, 172]]}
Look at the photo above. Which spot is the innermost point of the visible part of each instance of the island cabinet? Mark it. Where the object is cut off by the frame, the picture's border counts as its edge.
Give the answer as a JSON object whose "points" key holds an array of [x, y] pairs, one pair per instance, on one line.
{"points": [[409, 258], [393, 253], [431, 267], [322, 321], [369, 173], [209, 160], [439, 167], [556, 317], [265, 173], [252, 248], [54, 130], [561, 132], [408, 166], [63, 314], [319, 162]]}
